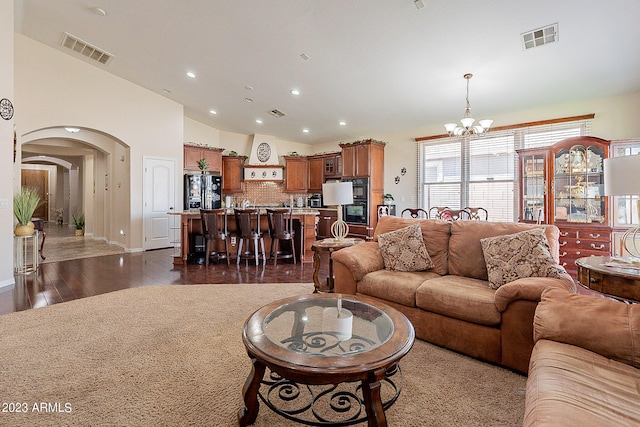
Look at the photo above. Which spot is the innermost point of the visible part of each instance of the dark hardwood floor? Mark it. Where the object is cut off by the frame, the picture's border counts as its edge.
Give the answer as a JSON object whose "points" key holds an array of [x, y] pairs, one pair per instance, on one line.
{"points": [[62, 281]]}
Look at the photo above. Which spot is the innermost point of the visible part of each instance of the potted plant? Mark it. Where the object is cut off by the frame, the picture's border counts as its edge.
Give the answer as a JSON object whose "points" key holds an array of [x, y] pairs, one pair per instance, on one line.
{"points": [[387, 198], [78, 222], [24, 205], [203, 164]]}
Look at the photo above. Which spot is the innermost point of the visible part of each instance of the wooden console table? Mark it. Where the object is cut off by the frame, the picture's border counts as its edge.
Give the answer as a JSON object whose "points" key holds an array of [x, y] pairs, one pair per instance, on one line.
{"points": [[617, 281]]}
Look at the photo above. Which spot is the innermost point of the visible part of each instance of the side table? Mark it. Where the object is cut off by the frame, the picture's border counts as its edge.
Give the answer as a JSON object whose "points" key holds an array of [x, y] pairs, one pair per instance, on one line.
{"points": [[25, 254], [330, 246], [614, 277]]}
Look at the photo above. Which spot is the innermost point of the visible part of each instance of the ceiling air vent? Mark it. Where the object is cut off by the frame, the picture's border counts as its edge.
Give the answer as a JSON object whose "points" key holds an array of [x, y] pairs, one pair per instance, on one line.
{"points": [[276, 113], [540, 37], [86, 49]]}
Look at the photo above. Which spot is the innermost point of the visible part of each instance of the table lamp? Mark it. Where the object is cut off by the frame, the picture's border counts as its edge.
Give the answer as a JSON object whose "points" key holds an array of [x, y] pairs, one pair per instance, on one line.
{"points": [[338, 193], [622, 178]]}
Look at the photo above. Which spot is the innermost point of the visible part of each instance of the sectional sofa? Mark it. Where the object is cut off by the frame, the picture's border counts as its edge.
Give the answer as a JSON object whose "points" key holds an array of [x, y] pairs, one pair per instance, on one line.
{"points": [[452, 303]]}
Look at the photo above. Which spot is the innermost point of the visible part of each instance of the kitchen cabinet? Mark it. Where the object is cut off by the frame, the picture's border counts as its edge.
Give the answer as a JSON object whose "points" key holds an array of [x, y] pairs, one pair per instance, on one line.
{"points": [[564, 185], [325, 220], [193, 153], [333, 165], [296, 172], [316, 173], [232, 173]]}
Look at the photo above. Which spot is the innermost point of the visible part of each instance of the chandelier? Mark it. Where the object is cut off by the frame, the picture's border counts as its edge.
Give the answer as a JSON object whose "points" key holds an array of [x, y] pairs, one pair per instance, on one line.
{"points": [[467, 128]]}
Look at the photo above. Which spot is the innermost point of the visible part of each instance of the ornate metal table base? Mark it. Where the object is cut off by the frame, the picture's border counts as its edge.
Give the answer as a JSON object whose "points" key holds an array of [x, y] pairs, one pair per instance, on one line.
{"points": [[324, 405]]}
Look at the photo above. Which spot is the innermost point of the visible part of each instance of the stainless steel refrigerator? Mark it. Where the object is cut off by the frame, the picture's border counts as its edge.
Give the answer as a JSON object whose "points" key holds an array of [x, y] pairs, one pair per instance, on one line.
{"points": [[202, 191]]}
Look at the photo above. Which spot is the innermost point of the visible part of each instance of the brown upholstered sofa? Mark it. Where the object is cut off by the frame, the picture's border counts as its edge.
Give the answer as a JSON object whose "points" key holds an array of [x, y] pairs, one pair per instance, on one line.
{"points": [[452, 304], [585, 365]]}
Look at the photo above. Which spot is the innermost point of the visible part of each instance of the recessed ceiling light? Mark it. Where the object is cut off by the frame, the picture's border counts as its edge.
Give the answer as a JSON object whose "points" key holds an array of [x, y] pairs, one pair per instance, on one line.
{"points": [[249, 99], [305, 130], [342, 123], [247, 87], [72, 130], [99, 11], [191, 74], [166, 90], [214, 112], [295, 92], [304, 56], [259, 121]]}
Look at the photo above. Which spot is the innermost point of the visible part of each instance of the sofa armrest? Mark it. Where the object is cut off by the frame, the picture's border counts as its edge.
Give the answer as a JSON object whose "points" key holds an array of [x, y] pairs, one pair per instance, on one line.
{"points": [[609, 328], [360, 259], [530, 288]]}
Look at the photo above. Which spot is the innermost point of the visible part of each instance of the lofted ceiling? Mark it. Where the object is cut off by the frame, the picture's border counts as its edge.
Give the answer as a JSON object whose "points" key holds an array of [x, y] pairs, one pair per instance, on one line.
{"points": [[382, 66]]}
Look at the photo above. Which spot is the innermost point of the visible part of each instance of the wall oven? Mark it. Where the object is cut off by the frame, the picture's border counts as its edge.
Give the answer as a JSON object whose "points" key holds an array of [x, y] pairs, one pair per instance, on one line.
{"points": [[358, 212]]}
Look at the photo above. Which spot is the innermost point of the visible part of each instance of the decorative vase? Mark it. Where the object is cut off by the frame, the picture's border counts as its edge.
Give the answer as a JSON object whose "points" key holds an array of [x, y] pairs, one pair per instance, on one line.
{"points": [[79, 232], [24, 230]]}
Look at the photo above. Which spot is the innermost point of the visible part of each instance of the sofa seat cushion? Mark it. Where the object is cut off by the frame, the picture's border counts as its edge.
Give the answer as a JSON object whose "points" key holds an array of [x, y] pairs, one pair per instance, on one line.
{"points": [[462, 298], [569, 385], [397, 286]]}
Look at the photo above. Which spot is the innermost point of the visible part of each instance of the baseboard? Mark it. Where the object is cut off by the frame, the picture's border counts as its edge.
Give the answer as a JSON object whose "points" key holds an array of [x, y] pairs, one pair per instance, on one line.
{"points": [[7, 283]]}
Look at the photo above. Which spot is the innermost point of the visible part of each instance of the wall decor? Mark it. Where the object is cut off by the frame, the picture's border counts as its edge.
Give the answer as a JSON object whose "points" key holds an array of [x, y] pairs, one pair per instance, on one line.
{"points": [[397, 180], [403, 171], [6, 109]]}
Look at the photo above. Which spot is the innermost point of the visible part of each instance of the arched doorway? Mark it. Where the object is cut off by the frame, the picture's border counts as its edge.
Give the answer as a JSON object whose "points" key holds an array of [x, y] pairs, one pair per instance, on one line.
{"points": [[85, 163]]}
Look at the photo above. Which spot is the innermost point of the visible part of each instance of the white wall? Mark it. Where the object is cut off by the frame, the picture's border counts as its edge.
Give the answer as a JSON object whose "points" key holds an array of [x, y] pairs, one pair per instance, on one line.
{"points": [[56, 89], [8, 170]]}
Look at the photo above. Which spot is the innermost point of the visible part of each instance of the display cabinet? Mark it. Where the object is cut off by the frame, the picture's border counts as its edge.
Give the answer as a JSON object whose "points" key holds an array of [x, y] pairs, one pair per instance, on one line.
{"points": [[564, 185]]}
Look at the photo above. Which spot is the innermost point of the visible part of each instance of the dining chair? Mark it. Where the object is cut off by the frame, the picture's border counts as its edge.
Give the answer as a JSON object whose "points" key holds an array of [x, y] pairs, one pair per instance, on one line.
{"points": [[478, 214], [415, 213], [436, 212]]}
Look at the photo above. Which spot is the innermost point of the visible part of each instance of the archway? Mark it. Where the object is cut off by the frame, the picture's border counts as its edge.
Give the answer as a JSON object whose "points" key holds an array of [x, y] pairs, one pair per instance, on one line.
{"points": [[87, 162]]}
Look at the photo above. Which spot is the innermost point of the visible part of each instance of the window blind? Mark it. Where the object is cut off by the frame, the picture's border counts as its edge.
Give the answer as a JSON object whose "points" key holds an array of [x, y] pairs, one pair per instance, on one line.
{"points": [[482, 171]]}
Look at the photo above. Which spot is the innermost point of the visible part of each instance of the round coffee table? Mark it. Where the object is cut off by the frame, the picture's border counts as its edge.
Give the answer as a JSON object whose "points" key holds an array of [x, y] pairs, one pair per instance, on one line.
{"points": [[333, 359]]}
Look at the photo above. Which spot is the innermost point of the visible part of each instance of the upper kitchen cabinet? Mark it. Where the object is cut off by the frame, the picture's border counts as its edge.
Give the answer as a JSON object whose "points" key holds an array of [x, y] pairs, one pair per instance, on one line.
{"points": [[232, 173], [316, 173], [364, 159], [193, 154], [333, 165], [296, 172]]}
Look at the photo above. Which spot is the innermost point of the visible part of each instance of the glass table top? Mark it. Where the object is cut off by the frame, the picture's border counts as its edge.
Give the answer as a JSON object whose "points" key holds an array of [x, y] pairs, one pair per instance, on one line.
{"points": [[330, 326]]}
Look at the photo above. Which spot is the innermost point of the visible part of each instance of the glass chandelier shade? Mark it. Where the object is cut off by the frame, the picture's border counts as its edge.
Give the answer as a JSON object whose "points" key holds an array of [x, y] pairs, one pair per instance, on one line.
{"points": [[467, 121]]}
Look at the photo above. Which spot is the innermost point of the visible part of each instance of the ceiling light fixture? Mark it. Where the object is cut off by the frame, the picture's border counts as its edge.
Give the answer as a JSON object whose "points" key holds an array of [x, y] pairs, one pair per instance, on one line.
{"points": [[305, 130], [419, 4], [342, 123], [190, 74], [259, 121], [467, 128], [248, 99], [99, 11], [72, 130], [214, 112], [295, 92]]}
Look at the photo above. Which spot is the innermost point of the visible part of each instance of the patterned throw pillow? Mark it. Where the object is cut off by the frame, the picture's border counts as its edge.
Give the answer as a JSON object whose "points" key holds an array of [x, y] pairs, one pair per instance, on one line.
{"points": [[514, 256], [404, 250]]}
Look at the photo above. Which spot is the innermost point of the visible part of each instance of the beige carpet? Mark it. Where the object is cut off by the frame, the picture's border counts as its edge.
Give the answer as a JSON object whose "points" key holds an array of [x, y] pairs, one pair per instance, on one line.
{"points": [[173, 356]]}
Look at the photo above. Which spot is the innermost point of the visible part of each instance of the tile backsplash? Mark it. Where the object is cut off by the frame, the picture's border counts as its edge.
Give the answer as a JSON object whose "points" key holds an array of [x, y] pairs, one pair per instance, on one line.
{"points": [[265, 194]]}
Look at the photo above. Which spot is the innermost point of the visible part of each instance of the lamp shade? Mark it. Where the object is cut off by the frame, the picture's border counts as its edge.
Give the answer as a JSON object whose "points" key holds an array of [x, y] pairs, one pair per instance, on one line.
{"points": [[622, 176], [337, 193]]}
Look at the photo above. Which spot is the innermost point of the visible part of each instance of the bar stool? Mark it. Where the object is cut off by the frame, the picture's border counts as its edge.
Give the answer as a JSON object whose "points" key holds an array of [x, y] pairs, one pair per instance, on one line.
{"points": [[281, 229], [214, 228], [248, 229]]}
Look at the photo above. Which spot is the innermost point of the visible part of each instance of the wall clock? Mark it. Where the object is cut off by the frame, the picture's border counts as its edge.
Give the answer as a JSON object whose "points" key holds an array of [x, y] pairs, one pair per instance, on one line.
{"points": [[6, 109], [263, 151]]}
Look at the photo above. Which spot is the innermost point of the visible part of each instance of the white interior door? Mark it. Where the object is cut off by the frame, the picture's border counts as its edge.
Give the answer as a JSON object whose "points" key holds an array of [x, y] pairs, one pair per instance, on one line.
{"points": [[159, 198]]}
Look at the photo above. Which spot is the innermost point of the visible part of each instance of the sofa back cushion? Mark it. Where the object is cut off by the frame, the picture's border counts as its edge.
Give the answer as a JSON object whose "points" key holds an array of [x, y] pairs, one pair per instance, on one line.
{"points": [[606, 327], [465, 250], [435, 234]]}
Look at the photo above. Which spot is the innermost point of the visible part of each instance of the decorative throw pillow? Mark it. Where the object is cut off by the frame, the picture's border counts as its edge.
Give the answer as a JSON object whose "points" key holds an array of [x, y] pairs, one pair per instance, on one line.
{"points": [[404, 250], [514, 256]]}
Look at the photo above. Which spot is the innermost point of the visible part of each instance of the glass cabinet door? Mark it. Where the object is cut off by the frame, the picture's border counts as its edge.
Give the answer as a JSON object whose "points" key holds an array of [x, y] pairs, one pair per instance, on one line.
{"points": [[533, 187], [578, 187]]}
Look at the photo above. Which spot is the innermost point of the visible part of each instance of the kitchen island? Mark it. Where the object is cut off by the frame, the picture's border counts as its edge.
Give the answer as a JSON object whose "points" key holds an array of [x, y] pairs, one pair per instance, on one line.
{"points": [[191, 226]]}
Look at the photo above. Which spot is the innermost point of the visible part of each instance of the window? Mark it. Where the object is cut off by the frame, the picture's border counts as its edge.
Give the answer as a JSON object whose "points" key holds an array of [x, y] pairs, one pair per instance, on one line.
{"points": [[482, 172], [625, 208]]}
